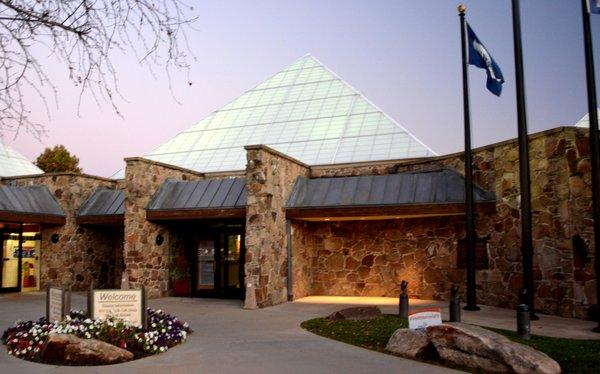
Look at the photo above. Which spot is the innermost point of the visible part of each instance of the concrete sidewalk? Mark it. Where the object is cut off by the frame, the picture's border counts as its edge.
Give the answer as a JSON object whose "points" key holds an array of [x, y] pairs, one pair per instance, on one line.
{"points": [[227, 339], [488, 316]]}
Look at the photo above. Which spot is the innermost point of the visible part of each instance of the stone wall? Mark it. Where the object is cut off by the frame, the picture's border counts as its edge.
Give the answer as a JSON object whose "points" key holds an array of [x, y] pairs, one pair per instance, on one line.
{"points": [[561, 204], [370, 258], [270, 176], [82, 255], [146, 262]]}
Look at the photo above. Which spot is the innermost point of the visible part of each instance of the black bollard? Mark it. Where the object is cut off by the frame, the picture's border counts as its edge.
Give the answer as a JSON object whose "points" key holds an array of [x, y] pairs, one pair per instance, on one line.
{"points": [[523, 323], [403, 305], [454, 305]]}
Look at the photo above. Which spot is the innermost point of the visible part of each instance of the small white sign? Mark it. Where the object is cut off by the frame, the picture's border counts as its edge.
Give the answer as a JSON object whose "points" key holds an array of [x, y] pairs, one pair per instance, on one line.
{"points": [[122, 304], [424, 318], [55, 304]]}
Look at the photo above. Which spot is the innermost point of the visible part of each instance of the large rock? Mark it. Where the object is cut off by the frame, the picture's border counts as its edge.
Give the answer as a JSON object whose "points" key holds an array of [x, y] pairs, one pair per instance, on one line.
{"points": [[409, 343], [71, 350], [481, 349], [356, 313]]}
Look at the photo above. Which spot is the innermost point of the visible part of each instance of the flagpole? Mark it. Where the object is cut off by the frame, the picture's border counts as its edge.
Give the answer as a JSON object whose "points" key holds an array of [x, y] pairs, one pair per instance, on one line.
{"points": [[594, 148], [524, 174], [469, 202]]}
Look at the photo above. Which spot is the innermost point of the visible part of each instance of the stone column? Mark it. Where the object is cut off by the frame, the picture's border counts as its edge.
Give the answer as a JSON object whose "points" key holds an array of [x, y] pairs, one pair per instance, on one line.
{"points": [[146, 261], [270, 176]]}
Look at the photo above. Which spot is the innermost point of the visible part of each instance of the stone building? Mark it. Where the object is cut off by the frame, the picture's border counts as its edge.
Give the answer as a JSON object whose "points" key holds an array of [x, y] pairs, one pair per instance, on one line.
{"points": [[300, 187]]}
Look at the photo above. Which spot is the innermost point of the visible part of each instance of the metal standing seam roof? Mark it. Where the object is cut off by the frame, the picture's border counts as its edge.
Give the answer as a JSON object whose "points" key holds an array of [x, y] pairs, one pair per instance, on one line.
{"points": [[305, 111], [103, 202], [202, 194], [29, 204], [429, 187]]}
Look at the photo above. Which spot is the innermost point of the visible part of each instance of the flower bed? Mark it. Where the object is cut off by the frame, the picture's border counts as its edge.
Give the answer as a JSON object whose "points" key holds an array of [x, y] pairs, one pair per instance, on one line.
{"points": [[26, 339]]}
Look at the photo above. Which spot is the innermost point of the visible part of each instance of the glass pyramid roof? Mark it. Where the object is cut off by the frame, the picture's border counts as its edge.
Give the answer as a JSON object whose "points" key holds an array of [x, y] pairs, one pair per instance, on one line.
{"points": [[13, 163], [585, 120], [304, 111]]}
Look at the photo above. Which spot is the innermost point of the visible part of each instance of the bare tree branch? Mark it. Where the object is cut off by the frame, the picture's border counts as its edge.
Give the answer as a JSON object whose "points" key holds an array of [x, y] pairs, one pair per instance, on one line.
{"points": [[83, 35]]}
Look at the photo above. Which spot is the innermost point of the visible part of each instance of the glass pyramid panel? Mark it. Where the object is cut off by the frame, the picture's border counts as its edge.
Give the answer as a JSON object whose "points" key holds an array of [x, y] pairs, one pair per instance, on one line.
{"points": [[13, 163], [585, 120], [304, 111]]}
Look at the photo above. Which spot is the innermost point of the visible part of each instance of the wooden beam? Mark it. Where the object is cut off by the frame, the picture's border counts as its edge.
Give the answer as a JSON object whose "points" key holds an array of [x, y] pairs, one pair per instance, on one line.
{"points": [[103, 220], [386, 211], [32, 218], [189, 214]]}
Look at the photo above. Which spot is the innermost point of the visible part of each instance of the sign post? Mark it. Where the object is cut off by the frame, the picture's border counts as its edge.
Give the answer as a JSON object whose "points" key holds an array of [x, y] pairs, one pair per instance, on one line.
{"points": [[58, 302]]}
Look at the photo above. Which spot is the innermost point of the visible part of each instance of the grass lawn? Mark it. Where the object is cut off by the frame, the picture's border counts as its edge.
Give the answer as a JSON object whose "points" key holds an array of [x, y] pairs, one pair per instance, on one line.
{"points": [[573, 356]]}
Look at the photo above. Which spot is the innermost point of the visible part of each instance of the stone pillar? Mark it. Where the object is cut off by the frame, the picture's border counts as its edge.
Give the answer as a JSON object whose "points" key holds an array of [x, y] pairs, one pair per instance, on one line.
{"points": [[146, 262], [270, 176]]}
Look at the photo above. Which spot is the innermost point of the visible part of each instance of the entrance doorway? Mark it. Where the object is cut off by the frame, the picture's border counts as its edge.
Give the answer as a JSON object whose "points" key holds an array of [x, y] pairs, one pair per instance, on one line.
{"points": [[218, 262], [207, 259], [20, 248]]}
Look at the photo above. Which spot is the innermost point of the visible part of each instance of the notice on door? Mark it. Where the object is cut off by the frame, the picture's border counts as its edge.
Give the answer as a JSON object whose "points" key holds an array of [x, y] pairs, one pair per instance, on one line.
{"points": [[127, 305], [55, 304]]}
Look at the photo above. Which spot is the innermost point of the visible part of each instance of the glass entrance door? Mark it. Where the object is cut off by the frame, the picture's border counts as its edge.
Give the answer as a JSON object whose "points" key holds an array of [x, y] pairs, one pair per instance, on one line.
{"points": [[20, 249], [219, 264], [11, 259], [231, 263]]}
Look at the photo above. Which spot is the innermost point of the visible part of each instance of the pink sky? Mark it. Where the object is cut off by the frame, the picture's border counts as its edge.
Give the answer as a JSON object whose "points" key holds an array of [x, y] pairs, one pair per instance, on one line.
{"points": [[404, 59]]}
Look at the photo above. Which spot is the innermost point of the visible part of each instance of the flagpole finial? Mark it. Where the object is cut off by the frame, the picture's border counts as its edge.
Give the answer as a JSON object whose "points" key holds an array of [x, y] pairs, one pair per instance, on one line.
{"points": [[462, 8]]}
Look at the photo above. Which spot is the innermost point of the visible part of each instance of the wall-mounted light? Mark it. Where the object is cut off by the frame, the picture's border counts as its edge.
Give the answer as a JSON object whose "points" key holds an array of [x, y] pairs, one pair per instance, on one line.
{"points": [[159, 239], [54, 238]]}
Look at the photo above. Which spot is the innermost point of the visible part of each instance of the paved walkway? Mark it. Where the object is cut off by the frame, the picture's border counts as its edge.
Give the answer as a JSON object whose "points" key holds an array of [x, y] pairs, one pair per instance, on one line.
{"points": [[228, 339]]}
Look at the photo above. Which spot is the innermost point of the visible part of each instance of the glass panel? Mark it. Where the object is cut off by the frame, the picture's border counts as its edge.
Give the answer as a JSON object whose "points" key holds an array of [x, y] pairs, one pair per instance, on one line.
{"points": [[10, 260], [30, 263], [12, 163], [206, 265], [232, 260]]}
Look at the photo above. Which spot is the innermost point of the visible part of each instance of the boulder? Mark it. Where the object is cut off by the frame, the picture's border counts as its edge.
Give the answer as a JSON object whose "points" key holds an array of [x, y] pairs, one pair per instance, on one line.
{"points": [[481, 349], [71, 350], [356, 313], [409, 343]]}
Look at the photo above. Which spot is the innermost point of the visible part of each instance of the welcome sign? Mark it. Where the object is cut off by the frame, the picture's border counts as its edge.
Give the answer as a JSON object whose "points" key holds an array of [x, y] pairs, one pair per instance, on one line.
{"points": [[424, 318], [128, 305]]}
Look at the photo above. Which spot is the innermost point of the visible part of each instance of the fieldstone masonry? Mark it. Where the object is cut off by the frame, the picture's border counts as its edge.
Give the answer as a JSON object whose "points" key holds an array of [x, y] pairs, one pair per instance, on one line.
{"points": [[270, 176], [146, 262]]}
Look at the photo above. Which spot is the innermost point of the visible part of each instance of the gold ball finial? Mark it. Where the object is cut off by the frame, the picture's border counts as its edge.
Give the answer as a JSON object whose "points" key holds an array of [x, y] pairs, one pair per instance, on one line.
{"points": [[462, 8]]}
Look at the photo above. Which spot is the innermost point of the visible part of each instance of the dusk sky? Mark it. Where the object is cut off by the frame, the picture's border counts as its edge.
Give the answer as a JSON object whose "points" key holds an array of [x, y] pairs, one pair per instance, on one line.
{"points": [[404, 56]]}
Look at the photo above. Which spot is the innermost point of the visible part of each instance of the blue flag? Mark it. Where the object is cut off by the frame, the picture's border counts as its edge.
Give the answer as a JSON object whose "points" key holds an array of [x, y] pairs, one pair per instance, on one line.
{"points": [[480, 57], [595, 6]]}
